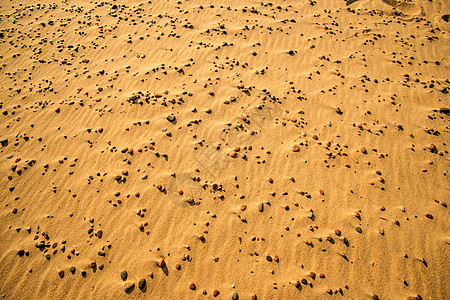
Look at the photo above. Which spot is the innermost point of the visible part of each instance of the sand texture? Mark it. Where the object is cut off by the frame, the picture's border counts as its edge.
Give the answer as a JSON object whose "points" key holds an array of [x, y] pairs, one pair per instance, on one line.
{"points": [[227, 149]]}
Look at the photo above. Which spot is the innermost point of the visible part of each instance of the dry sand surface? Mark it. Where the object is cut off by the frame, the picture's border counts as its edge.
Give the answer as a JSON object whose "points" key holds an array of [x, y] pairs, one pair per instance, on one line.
{"points": [[233, 149]]}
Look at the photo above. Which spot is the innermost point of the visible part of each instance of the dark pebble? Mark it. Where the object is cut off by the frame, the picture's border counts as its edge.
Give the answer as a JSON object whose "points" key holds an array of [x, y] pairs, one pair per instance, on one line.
{"points": [[128, 287], [124, 275], [142, 284]]}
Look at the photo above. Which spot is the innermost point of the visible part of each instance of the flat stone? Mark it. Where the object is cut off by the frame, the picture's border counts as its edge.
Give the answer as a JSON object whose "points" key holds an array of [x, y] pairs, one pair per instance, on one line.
{"points": [[358, 229], [170, 118]]}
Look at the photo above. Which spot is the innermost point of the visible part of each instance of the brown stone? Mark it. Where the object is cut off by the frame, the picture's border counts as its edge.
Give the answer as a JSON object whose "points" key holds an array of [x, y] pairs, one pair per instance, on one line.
{"points": [[161, 263], [192, 286], [216, 293], [296, 148]]}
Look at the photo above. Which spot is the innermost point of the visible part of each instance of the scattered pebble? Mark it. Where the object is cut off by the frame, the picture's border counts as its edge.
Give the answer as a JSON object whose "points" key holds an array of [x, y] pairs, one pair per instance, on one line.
{"points": [[124, 275], [142, 284], [128, 287]]}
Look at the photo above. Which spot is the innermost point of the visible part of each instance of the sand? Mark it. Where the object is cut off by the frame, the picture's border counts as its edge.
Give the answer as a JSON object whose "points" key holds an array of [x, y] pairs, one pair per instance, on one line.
{"points": [[229, 149]]}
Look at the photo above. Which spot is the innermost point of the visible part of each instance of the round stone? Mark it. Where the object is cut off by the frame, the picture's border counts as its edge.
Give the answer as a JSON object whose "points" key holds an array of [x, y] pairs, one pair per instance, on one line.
{"points": [[192, 286]]}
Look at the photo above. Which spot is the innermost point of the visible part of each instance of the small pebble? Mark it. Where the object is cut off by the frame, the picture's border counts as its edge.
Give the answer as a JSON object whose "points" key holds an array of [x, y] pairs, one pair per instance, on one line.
{"points": [[235, 296], [216, 293], [261, 207], [124, 275], [192, 286], [161, 263], [128, 287], [142, 284]]}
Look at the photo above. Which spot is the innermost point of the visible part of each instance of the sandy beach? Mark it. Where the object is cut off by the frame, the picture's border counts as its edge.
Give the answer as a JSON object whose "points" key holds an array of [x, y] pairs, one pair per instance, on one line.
{"points": [[227, 149]]}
